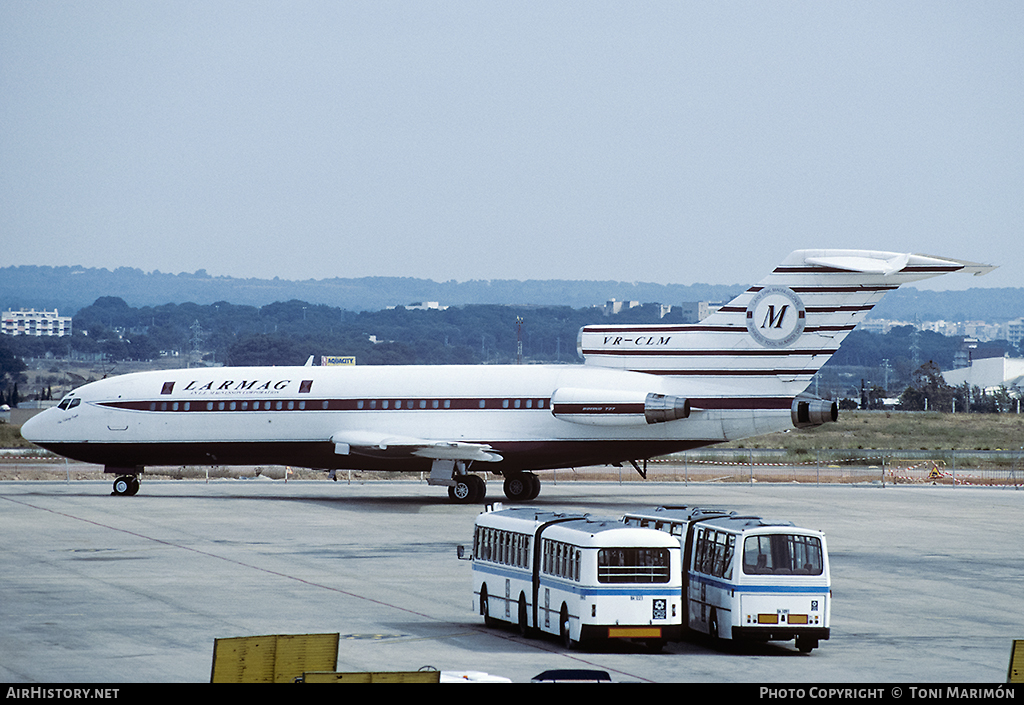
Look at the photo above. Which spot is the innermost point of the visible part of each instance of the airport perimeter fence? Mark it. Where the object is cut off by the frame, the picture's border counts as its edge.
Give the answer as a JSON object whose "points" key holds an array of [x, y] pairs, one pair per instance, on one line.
{"points": [[978, 468], [883, 467]]}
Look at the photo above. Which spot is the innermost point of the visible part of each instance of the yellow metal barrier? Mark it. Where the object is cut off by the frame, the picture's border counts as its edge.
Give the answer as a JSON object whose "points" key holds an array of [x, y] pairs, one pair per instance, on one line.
{"points": [[374, 677], [1015, 673], [273, 658]]}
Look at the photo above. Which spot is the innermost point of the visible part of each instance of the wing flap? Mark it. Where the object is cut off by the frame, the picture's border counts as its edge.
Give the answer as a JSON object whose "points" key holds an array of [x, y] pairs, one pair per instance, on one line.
{"points": [[387, 445]]}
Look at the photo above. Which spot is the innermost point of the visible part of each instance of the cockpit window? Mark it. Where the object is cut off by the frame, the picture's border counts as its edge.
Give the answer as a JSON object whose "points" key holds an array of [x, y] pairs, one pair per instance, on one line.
{"points": [[69, 403], [74, 402]]}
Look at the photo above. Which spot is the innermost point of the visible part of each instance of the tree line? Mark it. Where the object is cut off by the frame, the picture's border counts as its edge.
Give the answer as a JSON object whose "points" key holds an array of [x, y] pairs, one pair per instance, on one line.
{"points": [[287, 333]]}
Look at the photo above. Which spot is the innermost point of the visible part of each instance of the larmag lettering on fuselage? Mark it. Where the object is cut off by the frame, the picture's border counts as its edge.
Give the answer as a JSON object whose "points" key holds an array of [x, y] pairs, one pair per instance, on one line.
{"points": [[642, 391]]}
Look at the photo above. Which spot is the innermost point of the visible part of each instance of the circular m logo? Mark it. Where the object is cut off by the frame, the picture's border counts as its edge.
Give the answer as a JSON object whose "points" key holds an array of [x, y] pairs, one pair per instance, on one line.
{"points": [[776, 317]]}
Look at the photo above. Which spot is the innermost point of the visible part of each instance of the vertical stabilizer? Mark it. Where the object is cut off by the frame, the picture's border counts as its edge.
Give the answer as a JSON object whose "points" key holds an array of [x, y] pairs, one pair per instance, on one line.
{"points": [[782, 329]]}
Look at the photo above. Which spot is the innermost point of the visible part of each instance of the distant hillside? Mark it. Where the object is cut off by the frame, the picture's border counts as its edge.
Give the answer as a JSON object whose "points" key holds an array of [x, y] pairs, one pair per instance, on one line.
{"points": [[992, 305], [73, 288]]}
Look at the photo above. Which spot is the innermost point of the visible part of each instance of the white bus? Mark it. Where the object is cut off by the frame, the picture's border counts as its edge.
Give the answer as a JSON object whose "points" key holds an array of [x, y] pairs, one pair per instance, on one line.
{"points": [[746, 577], [580, 577]]}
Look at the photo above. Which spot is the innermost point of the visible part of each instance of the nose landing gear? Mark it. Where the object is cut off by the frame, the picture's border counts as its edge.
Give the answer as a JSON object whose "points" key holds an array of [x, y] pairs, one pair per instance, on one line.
{"points": [[127, 482], [126, 486]]}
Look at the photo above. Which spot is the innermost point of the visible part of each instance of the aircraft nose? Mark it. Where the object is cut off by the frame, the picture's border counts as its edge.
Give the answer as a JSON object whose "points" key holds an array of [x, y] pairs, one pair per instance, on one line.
{"points": [[34, 430]]}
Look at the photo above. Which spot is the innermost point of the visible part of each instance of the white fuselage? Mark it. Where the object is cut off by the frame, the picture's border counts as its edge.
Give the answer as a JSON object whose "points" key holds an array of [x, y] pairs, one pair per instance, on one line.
{"points": [[289, 415]]}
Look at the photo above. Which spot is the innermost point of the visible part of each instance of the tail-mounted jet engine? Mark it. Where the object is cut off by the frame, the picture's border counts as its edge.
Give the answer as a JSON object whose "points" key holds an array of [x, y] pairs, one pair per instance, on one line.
{"points": [[609, 407], [809, 411]]}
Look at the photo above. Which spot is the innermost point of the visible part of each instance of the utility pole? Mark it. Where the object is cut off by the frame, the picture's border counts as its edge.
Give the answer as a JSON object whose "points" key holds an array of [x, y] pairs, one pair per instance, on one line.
{"points": [[196, 342], [519, 340]]}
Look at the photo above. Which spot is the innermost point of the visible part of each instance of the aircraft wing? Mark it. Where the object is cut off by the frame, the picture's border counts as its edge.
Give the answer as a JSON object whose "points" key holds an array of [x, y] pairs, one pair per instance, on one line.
{"points": [[388, 445]]}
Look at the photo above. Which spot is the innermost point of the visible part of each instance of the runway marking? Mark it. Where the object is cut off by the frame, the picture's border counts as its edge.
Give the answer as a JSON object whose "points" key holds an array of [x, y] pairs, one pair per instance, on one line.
{"points": [[482, 630]]}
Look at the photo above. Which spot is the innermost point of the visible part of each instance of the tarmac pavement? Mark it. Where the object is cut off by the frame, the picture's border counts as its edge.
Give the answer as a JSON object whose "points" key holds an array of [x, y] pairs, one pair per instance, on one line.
{"points": [[928, 582]]}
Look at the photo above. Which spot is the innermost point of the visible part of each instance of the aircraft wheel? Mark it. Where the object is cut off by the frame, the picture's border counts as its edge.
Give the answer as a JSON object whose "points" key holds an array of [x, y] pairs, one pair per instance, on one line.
{"points": [[126, 486], [534, 485], [468, 489], [516, 487], [521, 486]]}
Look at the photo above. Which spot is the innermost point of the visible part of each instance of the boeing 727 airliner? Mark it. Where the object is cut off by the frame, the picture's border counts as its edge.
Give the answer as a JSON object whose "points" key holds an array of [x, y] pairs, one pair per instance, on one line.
{"points": [[643, 391]]}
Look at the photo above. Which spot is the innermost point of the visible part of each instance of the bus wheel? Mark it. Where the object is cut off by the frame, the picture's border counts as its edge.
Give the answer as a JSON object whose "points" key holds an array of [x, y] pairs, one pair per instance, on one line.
{"points": [[563, 628], [716, 639], [523, 624], [805, 643], [485, 608]]}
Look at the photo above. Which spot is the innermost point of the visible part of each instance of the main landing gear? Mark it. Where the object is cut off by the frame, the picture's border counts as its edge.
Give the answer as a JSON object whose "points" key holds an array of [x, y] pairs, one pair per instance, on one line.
{"points": [[471, 489]]}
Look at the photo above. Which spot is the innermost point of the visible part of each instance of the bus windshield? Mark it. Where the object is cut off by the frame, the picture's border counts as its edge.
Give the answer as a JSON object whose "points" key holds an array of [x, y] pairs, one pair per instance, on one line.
{"points": [[782, 554]]}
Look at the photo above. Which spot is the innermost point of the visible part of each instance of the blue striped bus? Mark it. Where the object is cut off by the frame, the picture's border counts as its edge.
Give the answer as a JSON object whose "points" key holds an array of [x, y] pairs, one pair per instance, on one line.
{"points": [[579, 577], [747, 578]]}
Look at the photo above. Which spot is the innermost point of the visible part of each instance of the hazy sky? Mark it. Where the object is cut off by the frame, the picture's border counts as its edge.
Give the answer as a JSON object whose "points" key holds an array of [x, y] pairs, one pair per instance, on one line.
{"points": [[670, 142]]}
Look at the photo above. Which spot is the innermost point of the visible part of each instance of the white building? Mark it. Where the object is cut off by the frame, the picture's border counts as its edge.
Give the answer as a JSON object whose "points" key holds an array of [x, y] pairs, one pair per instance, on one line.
{"points": [[613, 307], [1015, 331], [32, 322], [989, 373]]}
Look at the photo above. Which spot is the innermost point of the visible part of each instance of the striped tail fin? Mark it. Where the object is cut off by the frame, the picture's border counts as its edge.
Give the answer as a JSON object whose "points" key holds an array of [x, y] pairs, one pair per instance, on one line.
{"points": [[776, 334]]}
